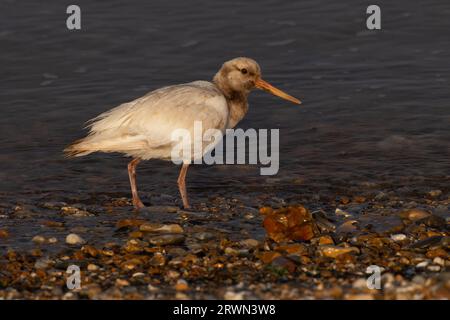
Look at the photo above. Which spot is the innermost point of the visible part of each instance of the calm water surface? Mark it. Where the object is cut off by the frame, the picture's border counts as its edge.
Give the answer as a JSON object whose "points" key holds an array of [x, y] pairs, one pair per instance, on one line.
{"points": [[376, 103]]}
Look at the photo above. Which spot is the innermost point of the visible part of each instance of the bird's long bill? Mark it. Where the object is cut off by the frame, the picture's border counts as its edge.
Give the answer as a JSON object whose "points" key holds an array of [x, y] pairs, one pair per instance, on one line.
{"points": [[261, 84]]}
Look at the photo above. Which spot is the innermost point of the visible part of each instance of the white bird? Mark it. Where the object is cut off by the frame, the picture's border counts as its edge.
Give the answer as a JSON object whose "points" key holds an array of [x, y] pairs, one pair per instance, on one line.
{"points": [[142, 129]]}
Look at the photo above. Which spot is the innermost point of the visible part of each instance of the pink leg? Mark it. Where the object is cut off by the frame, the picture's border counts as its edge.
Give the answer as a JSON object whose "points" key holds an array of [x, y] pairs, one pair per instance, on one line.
{"points": [[132, 174], [182, 185]]}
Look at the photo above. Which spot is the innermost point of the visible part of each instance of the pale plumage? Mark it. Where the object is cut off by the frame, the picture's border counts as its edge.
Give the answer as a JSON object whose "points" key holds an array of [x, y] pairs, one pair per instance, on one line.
{"points": [[143, 128]]}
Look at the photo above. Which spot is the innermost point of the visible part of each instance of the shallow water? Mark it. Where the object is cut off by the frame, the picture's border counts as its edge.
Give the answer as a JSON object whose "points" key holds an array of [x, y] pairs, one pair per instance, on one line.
{"points": [[376, 103]]}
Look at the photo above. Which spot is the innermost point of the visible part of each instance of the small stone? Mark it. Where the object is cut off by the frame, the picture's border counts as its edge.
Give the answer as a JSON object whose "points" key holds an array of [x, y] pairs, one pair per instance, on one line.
{"points": [[54, 205], [158, 259], [152, 288], [265, 211], [362, 296], [381, 196], [231, 251], [166, 239], [422, 264], [134, 246], [297, 249], [268, 257], [249, 216], [398, 237], [250, 243], [335, 251], [90, 250], [52, 224], [127, 223], [414, 214], [284, 263], [204, 236], [38, 239], [430, 242], [435, 193], [343, 213], [138, 275], [165, 228], [136, 234], [92, 267], [181, 285], [74, 239], [418, 279], [231, 295], [122, 283], [345, 200], [324, 240], [4, 233], [434, 268], [347, 227], [75, 212], [439, 261], [42, 263], [173, 274], [288, 223], [52, 240], [360, 284], [359, 199]]}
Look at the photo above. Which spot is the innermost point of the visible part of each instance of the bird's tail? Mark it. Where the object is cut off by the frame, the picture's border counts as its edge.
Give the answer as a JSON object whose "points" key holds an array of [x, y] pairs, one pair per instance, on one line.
{"points": [[78, 148]]}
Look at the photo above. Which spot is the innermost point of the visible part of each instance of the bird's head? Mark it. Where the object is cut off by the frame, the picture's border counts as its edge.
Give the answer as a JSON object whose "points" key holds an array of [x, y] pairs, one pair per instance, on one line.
{"points": [[244, 74]]}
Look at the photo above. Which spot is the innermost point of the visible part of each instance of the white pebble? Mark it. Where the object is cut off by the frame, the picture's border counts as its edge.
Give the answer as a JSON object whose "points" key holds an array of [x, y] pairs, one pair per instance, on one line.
{"points": [[343, 213], [92, 267], [231, 295], [74, 239], [422, 264], [398, 237], [439, 261], [52, 240], [434, 268], [38, 239]]}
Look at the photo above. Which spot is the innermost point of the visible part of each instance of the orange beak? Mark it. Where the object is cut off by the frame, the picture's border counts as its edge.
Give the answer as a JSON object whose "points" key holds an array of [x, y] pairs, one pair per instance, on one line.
{"points": [[261, 84]]}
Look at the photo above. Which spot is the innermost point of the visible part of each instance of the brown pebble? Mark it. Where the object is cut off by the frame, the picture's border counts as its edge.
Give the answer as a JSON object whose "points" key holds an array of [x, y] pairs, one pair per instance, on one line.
{"points": [[126, 223], [268, 257], [438, 252], [290, 223], [90, 250], [359, 199], [323, 240], [52, 224], [165, 228], [4, 233], [335, 251], [284, 263], [344, 200], [296, 249], [181, 285], [414, 214]]}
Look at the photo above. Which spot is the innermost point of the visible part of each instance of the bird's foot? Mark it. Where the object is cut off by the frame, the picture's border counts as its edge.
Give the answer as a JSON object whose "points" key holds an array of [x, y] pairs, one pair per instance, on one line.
{"points": [[138, 204], [186, 205]]}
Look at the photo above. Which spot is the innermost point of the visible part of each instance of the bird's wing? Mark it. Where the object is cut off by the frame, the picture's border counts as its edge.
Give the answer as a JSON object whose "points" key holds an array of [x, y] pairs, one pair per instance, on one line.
{"points": [[156, 115]]}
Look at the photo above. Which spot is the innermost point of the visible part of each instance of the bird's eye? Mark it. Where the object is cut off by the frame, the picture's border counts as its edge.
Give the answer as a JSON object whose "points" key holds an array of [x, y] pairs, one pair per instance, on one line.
{"points": [[244, 71]]}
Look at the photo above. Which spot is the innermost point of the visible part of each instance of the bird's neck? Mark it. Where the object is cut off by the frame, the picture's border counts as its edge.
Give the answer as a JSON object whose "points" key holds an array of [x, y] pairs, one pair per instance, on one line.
{"points": [[236, 100]]}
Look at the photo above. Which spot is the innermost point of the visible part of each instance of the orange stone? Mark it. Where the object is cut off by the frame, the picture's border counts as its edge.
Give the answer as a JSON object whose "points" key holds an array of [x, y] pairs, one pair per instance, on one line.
{"points": [[269, 256], [4, 233]]}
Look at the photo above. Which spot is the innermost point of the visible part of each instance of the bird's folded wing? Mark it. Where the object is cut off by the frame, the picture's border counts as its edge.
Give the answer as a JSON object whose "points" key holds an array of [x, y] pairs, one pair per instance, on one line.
{"points": [[153, 118]]}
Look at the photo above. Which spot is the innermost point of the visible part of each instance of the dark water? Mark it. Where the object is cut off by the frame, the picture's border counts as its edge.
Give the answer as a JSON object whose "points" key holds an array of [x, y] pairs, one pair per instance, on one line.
{"points": [[376, 103]]}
